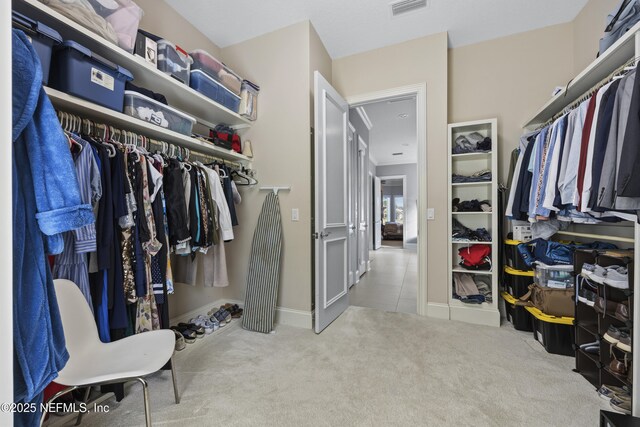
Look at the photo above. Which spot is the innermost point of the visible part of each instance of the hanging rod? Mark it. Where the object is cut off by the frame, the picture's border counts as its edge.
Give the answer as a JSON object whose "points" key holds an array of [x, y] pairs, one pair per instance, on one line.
{"points": [[597, 236], [275, 189]]}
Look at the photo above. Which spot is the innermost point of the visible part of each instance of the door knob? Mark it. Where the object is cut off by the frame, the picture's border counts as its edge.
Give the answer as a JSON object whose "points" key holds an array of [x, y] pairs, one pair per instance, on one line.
{"points": [[324, 234]]}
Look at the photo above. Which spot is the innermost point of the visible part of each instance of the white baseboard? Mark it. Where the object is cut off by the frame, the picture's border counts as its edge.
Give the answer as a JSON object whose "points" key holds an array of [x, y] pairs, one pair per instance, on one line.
{"points": [[478, 316], [284, 316], [438, 310]]}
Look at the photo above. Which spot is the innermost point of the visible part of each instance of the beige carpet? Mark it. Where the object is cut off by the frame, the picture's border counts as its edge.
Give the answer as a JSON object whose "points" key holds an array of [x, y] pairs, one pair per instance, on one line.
{"points": [[368, 368]]}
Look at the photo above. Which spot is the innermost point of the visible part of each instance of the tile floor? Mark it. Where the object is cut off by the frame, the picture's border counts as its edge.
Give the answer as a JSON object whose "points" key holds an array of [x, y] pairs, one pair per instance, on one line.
{"points": [[392, 283]]}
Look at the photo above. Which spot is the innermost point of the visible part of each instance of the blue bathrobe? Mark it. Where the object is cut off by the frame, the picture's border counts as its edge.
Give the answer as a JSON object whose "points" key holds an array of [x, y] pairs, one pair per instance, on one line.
{"points": [[46, 203]]}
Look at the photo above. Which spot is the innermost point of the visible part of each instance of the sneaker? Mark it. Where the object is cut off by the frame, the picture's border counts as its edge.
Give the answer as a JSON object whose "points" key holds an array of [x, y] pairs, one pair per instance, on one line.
{"points": [[612, 336], [205, 323], [617, 277], [587, 297], [620, 405], [609, 391], [624, 342], [589, 344], [592, 349], [598, 273], [587, 270], [180, 342]]}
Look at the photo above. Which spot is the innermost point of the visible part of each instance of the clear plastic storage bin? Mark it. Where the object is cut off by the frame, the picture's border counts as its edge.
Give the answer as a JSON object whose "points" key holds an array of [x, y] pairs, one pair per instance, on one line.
{"points": [[554, 276], [213, 68], [174, 61], [114, 20], [249, 100], [210, 88], [152, 111], [79, 72]]}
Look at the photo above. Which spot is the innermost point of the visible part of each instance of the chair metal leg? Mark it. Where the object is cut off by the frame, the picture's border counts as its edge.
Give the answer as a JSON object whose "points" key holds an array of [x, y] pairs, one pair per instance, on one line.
{"points": [[147, 408], [55, 396], [175, 381], [85, 400]]}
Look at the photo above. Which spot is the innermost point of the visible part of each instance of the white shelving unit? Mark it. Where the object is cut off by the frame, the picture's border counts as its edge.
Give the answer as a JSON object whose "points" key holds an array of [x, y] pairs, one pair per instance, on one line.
{"points": [[206, 111], [624, 50], [467, 164]]}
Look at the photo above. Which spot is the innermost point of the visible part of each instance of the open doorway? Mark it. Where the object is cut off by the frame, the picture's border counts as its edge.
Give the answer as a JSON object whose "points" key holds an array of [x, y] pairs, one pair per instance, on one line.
{"points": [[385, 203]]}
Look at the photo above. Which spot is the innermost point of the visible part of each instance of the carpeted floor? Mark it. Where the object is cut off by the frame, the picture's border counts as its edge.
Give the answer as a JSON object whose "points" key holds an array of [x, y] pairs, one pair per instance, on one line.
{"points": [[368, 368]]}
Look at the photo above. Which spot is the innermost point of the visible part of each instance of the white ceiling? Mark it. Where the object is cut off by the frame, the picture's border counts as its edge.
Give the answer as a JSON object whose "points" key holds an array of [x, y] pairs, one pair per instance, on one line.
{"points": [[351, 26], [391, 133]]}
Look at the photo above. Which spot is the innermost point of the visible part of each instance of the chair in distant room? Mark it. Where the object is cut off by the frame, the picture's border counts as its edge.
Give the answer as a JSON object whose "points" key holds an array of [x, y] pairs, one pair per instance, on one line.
{"points": [[93, 363]]}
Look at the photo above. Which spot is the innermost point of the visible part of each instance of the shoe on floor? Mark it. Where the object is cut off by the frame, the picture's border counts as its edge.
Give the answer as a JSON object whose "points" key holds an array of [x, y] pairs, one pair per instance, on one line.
{"points": [[609, 391], [218, 317], [180, 342], [205, 323], [617, 277], [620, 405], [199, 330], [188, 335]]}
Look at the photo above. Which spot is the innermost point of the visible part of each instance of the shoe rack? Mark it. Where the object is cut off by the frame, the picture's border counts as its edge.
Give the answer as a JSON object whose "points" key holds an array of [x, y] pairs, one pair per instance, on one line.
{"points": [[592, 325], [467, 164]]}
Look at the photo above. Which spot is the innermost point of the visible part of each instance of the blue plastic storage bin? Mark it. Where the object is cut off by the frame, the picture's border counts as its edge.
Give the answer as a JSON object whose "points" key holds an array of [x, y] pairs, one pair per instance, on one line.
{"points": [[79, 72], [43, 39], [210, 88]]}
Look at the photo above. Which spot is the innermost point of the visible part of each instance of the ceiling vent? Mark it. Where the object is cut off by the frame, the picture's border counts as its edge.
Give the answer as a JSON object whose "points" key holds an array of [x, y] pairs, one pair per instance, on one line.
{"points": [[403, 7]]}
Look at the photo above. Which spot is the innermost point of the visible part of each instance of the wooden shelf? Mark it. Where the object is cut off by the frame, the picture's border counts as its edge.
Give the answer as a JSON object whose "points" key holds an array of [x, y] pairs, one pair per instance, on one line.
{"points": [[206, 111], [472, 156], [460, 184], [470, 242], [617, 55], [71, 104], [463, 270], [471, 213]]}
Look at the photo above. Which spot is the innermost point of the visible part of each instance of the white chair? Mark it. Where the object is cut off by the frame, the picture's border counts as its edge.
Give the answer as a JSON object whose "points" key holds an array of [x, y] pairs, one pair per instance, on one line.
{"points": [[92, 362]]}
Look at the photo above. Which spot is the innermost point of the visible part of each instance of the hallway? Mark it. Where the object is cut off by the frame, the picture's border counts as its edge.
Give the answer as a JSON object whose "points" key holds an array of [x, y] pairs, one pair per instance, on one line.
{"points": [[392, 283]]}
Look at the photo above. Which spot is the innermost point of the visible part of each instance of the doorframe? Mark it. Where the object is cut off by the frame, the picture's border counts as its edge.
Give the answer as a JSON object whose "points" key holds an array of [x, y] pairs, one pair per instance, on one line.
{"points": [[420, 92], [404, 198]]}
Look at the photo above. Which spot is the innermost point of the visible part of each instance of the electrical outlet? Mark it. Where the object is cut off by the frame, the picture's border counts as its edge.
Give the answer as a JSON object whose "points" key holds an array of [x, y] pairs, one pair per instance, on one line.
{"points": [[295, 214], [431, 213]]}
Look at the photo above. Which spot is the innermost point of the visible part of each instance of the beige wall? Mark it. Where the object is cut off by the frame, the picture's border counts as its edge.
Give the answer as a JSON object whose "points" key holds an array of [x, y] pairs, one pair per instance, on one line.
{"points": [[160, 19], [279, 62], [588, 27], [504, 78], [416, 61]]}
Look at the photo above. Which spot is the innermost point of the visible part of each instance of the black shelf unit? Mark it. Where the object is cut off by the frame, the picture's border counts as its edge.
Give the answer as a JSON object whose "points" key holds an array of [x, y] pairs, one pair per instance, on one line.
{"points": [[591, 325]]}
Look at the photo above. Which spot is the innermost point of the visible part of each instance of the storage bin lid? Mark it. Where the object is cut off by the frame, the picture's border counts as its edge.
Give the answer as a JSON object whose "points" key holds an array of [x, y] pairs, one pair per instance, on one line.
{"points": [[514, 272], [560, 267], [35, 26], [70, 44], [160, 105], [550, 319], [183, 53], [248, 84], [217, 83], [508, 297], [511, 242]]}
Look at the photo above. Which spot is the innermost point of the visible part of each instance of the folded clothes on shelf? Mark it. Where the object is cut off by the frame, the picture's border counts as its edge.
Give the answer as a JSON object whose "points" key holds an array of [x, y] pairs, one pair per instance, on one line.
{"points": [[472, 289], [460, 232], [471, 143], [480, 176], [470, 205]]}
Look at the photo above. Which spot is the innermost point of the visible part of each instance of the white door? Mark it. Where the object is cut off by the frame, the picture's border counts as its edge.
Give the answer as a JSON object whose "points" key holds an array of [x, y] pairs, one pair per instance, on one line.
{"points": [[331, 204], [353, 206], [377, 213], [363, 207]]}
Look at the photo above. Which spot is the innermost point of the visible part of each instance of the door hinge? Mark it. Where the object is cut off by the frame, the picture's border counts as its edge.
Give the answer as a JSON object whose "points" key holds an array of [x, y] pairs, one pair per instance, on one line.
{"points": [[315, 235]]}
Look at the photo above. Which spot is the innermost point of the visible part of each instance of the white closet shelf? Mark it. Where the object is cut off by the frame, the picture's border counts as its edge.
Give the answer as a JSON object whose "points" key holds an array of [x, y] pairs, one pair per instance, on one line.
{"points": [[463, 270], [471, 213], [472, 156], [612, 59], [469, 242], [89, 110], [206, 111], [597, 236], [461, 184]]}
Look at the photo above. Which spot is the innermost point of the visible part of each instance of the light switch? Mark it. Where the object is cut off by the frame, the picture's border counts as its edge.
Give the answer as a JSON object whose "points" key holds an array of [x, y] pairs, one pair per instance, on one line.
{"points": [[295, 214], [431, 213]]}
